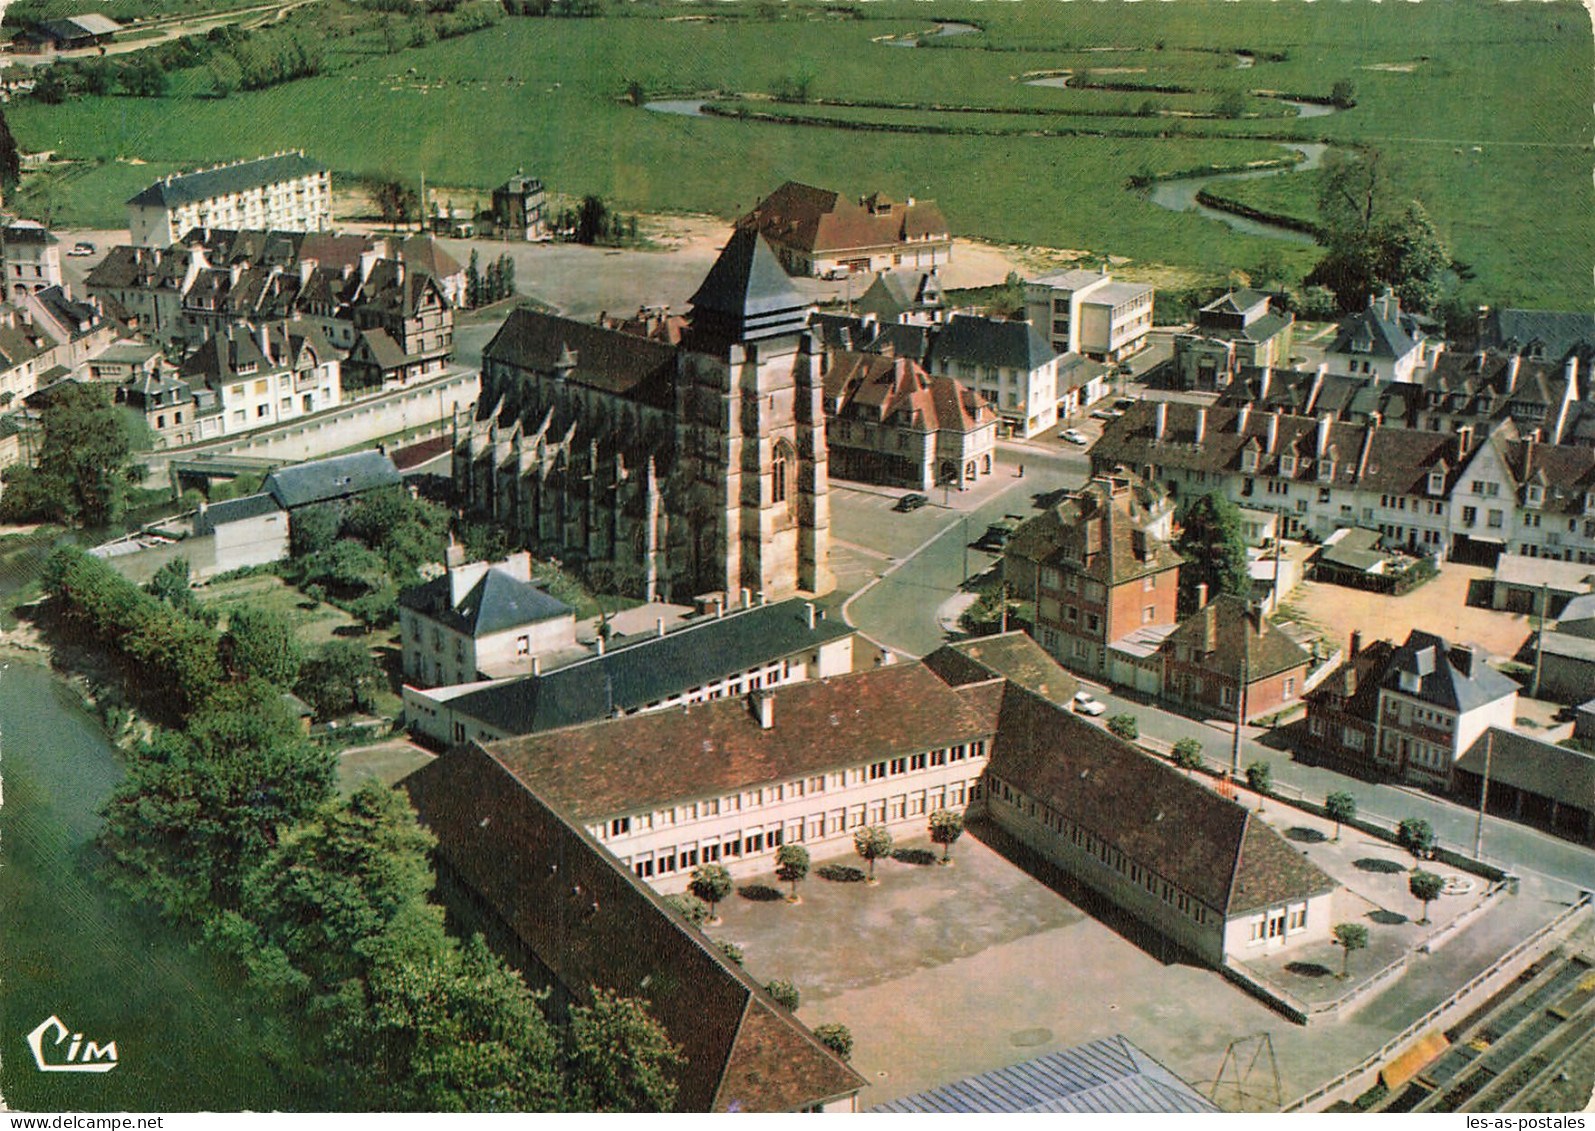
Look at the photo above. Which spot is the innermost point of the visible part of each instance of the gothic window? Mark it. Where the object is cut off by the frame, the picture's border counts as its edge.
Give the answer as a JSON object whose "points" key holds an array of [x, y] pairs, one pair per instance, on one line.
{"points": [[782, 469]]}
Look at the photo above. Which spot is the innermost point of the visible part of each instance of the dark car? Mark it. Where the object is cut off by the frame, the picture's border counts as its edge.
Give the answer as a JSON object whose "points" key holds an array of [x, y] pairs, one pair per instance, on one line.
{"points": [[910, 503]]}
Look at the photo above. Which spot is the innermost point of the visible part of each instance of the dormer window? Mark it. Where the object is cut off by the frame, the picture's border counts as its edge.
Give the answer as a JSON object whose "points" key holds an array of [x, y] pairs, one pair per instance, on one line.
{"points": [[1287, 465], [1326, 470], [1534, 496], [1437, 482], [1249, 459], [1410, 682]]}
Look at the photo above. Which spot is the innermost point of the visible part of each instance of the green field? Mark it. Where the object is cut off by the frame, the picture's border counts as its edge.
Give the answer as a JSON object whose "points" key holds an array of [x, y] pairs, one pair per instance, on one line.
{"points": [[1430, 80]]}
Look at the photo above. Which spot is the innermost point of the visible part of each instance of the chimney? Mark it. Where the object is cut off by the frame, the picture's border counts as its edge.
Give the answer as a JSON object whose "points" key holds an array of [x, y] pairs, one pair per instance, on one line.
{"points": [[600, 643], [1209, 630], [1464, 441], [1162, 420], [1201, 425], [1511, 373], [659, 625], [719, 606], [1356, 644], [537, 665], [1273, 432], [265, 344], [1201, 596], [762, 704], [809, 608], [747, 597], [1267, 380]]}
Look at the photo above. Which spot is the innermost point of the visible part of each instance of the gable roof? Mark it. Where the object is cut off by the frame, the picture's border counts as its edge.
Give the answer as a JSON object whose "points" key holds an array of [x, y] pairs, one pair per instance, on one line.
{"points": [[234, 510], [639, 763], [335, 478], [649, 670], [820, 221], [1103, 531], [240, 176], [1380, 330], [1014, 656], [1559, 772], [991, 341], [1208, 846], [1553, 334], [1235, 630], [1456, 678], [1111, 1076], [497, 602], [592, 923], [622, 364]]}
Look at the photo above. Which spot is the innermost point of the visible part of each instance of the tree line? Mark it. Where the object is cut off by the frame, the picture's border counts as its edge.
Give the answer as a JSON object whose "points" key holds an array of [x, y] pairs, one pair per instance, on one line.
{"points": [[492, 285], [230, 826]]}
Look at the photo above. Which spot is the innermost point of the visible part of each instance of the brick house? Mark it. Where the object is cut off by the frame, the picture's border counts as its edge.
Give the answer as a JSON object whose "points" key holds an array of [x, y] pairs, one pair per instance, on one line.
{"points": [[1206, 658]]}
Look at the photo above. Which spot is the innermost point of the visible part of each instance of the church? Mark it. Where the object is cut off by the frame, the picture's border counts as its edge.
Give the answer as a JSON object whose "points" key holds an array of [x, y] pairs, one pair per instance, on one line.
{"points": [[689, 466]]}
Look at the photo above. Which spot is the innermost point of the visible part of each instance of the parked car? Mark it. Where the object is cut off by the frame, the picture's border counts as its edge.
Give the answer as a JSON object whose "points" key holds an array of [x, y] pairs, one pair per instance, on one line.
{"points": [[1106, 414], [1124, 403], [1075, 436], [84, 248], [910, 503], [1086, 704], [998, 533]]}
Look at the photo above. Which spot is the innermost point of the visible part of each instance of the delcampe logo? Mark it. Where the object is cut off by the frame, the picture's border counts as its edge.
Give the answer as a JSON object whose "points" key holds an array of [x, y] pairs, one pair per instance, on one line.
{"points": [[81, 1056]]}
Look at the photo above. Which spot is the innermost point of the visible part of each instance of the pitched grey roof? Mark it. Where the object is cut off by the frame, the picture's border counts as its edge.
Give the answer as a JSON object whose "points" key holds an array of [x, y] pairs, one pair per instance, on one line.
{"points": [[234, 510], [658, 668], [1379, 331], [747, 281], [1557, 772], [1109, 1076], [496, 603], [189, 188], [991, 341], [1550, 333], [1454, 678], [1235, 302], [333, 478]]}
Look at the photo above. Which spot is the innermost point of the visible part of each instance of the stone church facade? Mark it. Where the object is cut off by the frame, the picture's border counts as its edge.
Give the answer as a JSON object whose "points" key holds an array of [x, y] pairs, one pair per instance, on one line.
{"points": [[688, 467]]}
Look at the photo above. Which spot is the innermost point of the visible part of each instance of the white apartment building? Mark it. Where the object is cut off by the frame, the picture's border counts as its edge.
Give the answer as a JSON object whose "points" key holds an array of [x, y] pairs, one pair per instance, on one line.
{"points": [[1086, 312], [1006, 362], [1435, 699], [1524, 497], [480, 619], [32, 258], [283, 192]]}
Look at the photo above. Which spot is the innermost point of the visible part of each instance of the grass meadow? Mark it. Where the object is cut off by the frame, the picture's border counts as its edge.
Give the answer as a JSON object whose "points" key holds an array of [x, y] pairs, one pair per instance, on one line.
{"points": [[1481, 107]]}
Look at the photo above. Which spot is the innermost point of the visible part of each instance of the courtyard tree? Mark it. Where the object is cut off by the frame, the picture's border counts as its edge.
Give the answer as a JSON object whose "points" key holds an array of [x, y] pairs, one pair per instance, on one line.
{"points": [[710, 883], [10, 158], [785, 994], [620, 1059], [872, 843], [1124, 726], [1213, 544], [340, 678], [1425, 888], [261, 644], [1341, 808], [1416, 835], [731, 950], [693, 909], [1349, 937], [592, 219], [946, 826], [1187, 755], [1260, 779], [792, 867], [838, 1038]]}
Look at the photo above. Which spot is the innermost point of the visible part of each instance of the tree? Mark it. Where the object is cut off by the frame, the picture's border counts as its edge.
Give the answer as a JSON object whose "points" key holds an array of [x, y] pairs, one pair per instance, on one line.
{"points": [[620, 1059], [172, 584], [84, 468], [1425, 887], [1350, 937], [396, 200], [506, 274], [1411, 258], [1260, 779], [347, 567], [792, 867], [592, 217], [1213, 544], [1416, 835], [946, 826], [710, 883], [1124, 726], [1230, 104], [689, 906], [1341, 808], [473, 282], [144, 78], [313, 529], [10, 158], [261, 644], [1343, 94], [872, 843], [1187, 754], [785, 994], [342, 677], [837, 1038]]}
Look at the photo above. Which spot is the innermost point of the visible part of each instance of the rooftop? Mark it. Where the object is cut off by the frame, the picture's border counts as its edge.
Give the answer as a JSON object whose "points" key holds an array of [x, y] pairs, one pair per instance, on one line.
{"points": [[337, 477], [223, 180]]}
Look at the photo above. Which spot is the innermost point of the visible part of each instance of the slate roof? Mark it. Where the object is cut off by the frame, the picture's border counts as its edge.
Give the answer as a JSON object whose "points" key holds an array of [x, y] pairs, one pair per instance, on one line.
{"points": [[1381, 330], [1569, 646], [1111, 1077], [1235, 630], [234, 510], [241, 176], [1455, 678], [1100, 532], [642, 762], [334, 478], [1549, 333], [426, 254], [899, 292], [609, 360], [991, 341], [1014, 656], [747, 294], [30, 232], [1208, 846], [591, 922], [498, 602], [657, 668], [1559, 772], [1235, 302]]}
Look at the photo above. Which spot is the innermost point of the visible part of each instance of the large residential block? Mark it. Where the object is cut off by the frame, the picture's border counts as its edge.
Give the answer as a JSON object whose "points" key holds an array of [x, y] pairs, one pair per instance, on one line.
{"points": [[1086, 312], [285, 191], [1006, 362]]}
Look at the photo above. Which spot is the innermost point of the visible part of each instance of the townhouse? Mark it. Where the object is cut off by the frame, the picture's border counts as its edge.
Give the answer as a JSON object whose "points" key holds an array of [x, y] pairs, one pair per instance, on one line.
{"points": [[1007, 363], [1231, 658], [31, 258], [890, 422], [1086, 312], [1381, 342], [1525, 497], [255, 376]]}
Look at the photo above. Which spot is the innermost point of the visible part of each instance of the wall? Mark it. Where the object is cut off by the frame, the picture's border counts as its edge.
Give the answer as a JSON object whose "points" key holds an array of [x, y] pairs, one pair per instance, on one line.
{"points": [[250, 542]]}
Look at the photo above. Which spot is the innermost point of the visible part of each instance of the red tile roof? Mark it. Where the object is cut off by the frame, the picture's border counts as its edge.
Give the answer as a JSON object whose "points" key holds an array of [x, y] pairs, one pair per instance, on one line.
{"points": [[823, 222]]}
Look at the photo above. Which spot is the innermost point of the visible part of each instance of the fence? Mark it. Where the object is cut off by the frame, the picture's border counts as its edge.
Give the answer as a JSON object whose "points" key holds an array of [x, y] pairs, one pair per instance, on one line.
{"points": [[1356, 1080]]}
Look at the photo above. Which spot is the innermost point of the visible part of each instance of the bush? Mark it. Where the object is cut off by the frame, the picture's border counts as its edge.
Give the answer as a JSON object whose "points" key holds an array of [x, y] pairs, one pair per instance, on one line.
{"points": [[837, 1038], [1125, 727], [784, 993]]}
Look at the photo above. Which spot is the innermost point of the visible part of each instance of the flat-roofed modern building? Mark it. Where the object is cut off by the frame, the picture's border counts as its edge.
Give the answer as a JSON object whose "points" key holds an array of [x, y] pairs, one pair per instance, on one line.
{"points": [[1086, 312], [285, 191]]}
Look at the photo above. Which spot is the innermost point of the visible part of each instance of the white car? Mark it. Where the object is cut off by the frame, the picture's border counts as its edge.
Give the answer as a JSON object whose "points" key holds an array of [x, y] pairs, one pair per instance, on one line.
{"points": [[1075, 436], [1085, 704]]}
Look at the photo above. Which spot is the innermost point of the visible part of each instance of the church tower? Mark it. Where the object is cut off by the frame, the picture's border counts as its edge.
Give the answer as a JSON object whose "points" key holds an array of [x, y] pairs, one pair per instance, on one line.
{"points": [[751, 424]]}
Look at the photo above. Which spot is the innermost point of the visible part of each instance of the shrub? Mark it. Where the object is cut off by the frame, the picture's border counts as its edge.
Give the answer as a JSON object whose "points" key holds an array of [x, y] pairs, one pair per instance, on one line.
{"points": [[1125, 727]]}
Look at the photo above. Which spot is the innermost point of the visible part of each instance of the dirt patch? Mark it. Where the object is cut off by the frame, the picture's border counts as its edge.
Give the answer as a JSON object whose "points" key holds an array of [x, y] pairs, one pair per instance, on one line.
{"points": [[1393, 68]]}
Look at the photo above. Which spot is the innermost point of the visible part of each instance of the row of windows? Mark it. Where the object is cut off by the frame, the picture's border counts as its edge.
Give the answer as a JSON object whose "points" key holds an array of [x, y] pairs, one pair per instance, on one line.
{"points": [[1278, 923], [818, 826], [786, 791], [1093, 845]]}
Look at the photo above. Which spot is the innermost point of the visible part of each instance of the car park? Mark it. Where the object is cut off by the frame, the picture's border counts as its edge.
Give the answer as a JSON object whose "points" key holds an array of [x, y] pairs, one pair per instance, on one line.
{"points": [[910, 503]]}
